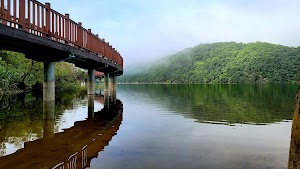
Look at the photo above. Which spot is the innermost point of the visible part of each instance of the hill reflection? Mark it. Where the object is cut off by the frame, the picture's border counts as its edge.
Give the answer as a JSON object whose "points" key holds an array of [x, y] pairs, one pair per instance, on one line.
{"points": [[223, 104]]}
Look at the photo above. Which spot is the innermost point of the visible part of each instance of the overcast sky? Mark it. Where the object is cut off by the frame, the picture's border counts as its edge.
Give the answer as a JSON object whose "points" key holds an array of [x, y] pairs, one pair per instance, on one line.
{"points": [[143, 30]]}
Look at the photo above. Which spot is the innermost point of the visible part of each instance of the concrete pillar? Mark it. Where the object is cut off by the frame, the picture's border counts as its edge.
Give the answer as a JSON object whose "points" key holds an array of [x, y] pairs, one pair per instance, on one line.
{"points": [[49, 82], [106, 82], [112, 81], [48, 99], [113, 97], [112, 87], [98, 86], [48, 117], [106, 101], [91, 99], [91, 82]]}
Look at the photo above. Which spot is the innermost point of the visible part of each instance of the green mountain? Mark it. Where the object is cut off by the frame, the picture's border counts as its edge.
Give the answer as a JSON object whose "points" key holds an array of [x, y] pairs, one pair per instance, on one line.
{"points": [[224, 62]]}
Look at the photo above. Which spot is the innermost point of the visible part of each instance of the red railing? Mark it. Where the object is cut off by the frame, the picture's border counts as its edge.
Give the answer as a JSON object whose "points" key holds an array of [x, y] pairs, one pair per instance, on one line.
{"points": [[41, 20]]}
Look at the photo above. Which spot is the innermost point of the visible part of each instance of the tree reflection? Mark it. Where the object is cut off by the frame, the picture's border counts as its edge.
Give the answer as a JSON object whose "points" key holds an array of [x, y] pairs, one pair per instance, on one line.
{"points": [[73, 147], [229, 104], [21, 117]]}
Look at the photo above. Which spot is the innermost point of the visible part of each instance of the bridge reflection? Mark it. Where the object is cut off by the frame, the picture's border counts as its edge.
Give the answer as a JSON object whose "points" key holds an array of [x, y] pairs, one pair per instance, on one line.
{"points": [[74, 147]]}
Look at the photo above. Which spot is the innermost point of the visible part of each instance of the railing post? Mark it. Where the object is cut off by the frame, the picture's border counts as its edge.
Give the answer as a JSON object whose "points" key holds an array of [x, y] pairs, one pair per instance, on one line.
{"points": [[80, 34], [97, 43], [21, 14], [103, 47], [121, 60], [67, 17], [48, 9], [113, 55], [89, 36], [118, 58], [1, 9], [107, 50], [110, 52]]}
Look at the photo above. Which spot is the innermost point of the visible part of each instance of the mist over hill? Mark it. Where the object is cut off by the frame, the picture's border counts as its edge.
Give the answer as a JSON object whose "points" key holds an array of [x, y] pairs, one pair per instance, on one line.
{"points": [[222, 62]]}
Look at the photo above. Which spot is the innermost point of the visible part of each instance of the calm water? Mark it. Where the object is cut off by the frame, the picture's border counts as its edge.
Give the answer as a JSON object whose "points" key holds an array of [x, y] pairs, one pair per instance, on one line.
{"points": [[153, 126]]}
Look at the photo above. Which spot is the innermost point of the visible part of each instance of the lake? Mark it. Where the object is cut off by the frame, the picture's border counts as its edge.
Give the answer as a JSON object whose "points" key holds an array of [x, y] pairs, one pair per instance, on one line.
{"points": [[154, 126]]}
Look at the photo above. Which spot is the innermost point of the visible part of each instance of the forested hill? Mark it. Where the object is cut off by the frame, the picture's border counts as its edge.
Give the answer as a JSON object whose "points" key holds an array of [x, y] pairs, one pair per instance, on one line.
{"points": [[224, 62]]}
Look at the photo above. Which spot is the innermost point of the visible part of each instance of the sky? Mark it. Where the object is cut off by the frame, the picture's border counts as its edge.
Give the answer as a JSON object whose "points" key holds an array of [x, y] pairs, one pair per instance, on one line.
{"points": [[145, 30]]}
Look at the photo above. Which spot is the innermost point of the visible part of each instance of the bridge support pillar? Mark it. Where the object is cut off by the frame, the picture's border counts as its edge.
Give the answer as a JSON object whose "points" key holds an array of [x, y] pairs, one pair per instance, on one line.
{"points": [[113, 88], [106, 101], [49, 118], [48, 99], [106, 92], [99, 86], [49, 82], [106, 82], [112, 81], [91, 99], [113, 95], [91, 82]]}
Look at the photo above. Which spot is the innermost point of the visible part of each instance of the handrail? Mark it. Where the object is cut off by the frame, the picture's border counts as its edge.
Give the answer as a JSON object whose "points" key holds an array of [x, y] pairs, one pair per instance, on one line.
{"points": [[39, 19]]}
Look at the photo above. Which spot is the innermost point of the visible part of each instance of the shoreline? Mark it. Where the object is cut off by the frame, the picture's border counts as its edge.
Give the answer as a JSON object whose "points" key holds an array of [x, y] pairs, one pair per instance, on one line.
{"points": [[137, 83], [12, 92], [15, 92]]}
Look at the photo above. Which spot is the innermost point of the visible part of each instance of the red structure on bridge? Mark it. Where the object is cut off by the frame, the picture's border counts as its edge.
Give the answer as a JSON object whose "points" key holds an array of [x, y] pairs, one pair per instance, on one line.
{"points": [[99, 74], [39, 19]]}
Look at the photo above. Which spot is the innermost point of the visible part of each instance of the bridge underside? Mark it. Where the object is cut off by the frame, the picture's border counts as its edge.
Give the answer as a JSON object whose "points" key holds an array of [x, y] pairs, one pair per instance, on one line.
{"points": [[47, 50]]}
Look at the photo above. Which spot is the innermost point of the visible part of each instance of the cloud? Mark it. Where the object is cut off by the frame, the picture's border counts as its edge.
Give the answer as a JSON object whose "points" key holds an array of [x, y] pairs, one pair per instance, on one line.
{"points": [[145, 30]]}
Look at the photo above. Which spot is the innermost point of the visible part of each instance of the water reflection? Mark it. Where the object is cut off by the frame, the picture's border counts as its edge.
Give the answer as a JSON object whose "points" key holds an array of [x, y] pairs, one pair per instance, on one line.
{"points": [[74, 147], [222, 104], [106, 100], [113, 97], [49, 118], [91, 106], [23, 118]]}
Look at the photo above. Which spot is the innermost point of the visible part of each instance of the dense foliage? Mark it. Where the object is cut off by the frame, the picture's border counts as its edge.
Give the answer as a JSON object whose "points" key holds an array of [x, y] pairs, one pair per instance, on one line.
{"points": [[224, 62], [18, 73]]}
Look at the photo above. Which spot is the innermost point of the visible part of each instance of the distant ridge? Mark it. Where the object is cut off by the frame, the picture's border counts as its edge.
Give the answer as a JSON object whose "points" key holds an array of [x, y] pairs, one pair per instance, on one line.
{"points": [[224, 62]]}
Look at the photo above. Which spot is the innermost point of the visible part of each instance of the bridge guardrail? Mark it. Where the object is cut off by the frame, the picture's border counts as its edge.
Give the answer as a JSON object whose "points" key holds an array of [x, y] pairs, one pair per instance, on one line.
{"points": [[41, 20]]}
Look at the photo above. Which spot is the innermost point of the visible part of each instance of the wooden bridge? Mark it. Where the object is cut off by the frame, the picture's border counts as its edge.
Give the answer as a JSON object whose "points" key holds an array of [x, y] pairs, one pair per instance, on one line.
{"points": [[45, 35]]}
